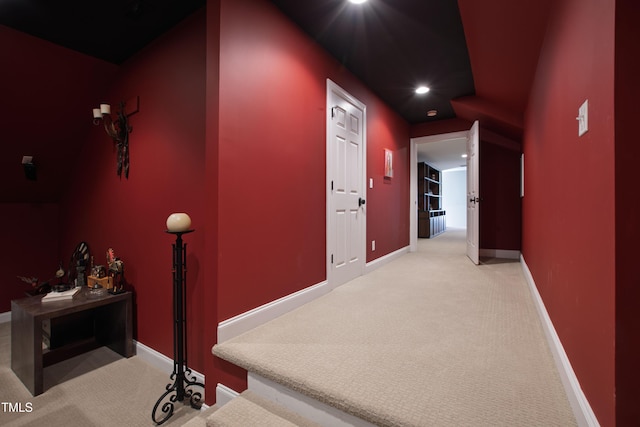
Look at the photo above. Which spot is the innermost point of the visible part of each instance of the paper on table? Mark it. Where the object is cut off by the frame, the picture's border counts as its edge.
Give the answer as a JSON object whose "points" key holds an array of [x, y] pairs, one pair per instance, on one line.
{"points": [[55, 296]]}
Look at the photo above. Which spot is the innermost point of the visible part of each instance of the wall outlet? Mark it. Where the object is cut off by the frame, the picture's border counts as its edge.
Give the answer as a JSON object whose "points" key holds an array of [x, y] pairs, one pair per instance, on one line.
{"points": [[373, 245]]}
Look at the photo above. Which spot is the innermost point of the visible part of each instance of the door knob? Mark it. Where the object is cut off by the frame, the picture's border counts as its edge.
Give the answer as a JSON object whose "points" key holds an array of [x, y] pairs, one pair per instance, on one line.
{"points": [[474, 200], [361, 201]]}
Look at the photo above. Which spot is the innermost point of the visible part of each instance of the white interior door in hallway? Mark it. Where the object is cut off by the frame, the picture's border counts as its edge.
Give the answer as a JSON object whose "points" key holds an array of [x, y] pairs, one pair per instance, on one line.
{"points": [[473, 194], [346, 179]]}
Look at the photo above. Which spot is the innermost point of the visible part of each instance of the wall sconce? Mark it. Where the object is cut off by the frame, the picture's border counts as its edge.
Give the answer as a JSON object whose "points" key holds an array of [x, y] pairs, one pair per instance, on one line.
{"points": [[29, 168], [118, 130]]}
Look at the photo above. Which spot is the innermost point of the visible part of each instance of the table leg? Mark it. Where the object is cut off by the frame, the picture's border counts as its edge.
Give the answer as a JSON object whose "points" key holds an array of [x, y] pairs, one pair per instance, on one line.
{"points": [[26, 349]]}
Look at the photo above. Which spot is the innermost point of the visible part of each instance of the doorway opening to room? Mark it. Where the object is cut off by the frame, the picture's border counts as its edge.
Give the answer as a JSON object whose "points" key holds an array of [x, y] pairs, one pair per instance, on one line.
{"points": [[439, 185]]}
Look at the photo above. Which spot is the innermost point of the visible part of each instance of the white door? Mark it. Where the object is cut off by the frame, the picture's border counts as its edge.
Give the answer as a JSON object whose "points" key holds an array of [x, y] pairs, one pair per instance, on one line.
{"points": [[473, 196], [346, 142]]}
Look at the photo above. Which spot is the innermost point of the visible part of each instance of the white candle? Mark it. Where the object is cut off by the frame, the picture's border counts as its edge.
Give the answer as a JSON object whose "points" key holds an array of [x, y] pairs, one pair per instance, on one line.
{"points": [[96, 113], [178, 222], [105, 108]]}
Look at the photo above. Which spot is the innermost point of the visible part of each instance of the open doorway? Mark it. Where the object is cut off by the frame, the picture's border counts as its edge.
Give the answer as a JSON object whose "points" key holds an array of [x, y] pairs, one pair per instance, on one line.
{"points": [[454, 196], [501, 198], [445, 153]]}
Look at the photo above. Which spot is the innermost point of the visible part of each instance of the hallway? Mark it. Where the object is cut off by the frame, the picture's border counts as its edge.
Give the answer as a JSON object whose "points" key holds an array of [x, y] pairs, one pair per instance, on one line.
{"points": [[427, 340]]}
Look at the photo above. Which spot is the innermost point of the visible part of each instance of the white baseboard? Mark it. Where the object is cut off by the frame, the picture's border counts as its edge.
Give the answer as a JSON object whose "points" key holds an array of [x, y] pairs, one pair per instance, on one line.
{"points": [[303, 405], [379, 262], [246, 321], [5, 317], [500, 253], [160, 361], [579, 403], [224, 394]]}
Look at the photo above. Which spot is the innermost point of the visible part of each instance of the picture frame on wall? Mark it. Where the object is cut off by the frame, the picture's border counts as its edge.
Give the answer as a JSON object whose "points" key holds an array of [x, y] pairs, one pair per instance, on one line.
{"points": [[388, 163]]}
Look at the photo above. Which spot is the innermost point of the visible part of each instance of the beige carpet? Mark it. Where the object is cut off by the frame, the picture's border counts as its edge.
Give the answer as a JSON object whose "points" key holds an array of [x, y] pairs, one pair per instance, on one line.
{"points": [[99, 388], [427, 340], [250, 410]]}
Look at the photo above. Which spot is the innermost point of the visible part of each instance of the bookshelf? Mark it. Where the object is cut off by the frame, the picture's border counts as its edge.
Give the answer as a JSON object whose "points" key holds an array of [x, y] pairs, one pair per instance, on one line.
{"points": [[431, 216]]}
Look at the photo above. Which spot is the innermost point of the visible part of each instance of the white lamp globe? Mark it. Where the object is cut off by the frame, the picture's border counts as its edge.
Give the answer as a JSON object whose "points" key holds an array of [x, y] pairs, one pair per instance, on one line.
{"points": [[178, 222]]}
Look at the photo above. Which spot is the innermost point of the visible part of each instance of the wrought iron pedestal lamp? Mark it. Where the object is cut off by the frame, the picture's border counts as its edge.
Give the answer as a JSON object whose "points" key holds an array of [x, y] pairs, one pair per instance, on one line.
{"points": [[183, 379]]}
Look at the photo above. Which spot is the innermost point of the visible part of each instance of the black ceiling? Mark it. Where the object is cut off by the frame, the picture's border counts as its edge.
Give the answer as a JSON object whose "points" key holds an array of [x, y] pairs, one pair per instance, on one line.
{"points": [[391, 45], [111, 30], [394, 46]]}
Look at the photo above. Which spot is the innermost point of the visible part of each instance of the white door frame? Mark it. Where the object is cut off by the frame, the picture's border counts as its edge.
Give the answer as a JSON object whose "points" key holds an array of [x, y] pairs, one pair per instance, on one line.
{"points": [[413, 185], [332, 87]]}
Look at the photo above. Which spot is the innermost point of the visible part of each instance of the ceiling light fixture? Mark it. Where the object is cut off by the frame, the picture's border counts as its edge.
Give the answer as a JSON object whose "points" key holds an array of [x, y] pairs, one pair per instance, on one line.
{"points": [[422, 89], [357, 1], [432, 113], [464, 156]]}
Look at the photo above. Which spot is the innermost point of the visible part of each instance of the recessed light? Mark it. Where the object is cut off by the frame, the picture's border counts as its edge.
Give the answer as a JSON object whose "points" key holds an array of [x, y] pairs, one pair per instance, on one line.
{"points": [[422, 89], [432, 113]]}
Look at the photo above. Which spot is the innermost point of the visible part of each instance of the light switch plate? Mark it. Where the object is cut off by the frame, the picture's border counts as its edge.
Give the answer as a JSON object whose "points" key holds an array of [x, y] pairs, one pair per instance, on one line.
{"points": [[583, 118], [370, 182]]}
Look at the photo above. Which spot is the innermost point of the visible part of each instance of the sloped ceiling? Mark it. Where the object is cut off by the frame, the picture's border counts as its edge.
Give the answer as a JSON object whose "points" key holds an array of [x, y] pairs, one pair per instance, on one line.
{"points": [[478, 57]]}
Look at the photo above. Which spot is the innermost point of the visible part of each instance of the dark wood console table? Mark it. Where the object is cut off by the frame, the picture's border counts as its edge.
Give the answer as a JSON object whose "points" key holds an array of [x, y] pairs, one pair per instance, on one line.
{"points": [[71, 327]]}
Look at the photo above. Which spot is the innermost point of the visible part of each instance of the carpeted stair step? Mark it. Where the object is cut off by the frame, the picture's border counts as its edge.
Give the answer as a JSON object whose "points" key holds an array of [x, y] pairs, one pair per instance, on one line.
{"points": [[251, 410], [201, 419]]}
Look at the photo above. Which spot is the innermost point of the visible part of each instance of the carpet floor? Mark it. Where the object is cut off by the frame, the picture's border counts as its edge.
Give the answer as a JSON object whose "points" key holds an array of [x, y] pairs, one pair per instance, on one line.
{"points": [[427, 340], [99, 389]]}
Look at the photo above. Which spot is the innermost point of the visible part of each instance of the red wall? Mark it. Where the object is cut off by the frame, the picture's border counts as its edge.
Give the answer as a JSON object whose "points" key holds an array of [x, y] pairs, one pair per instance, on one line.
{"points": [[167, 174], [231, 129], [568, 223], [271, 160], [388, 200], [627, 151], [439, 127], [45, 92], [47, 87], [29, 247], [500, 208]]}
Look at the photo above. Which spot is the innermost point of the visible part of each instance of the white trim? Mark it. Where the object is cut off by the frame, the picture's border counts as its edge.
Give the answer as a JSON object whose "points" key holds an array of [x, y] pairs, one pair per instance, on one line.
{"points": [[522, 175], [253, 318], [579, 403], [248, 320], [160, 361], [224, 395], [303, 405], [500, 253], [5, 317], [413, 196], [379, 262]]}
